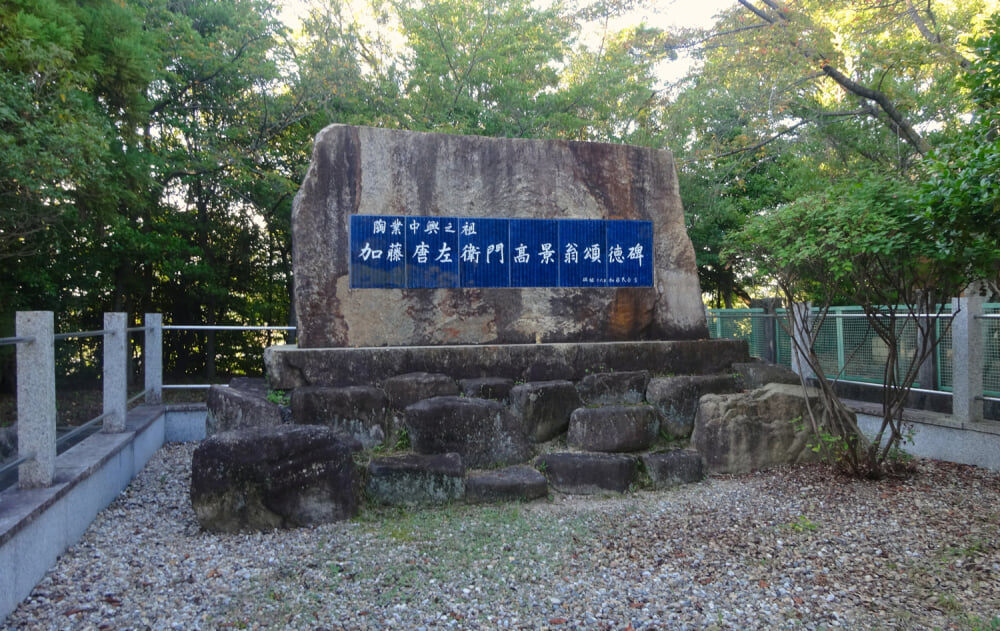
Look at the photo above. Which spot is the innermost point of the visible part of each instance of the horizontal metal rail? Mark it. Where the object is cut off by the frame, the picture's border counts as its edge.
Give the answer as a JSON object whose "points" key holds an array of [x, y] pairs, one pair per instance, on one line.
{"points": [[735, 315], [13, 465], [878, 385], [213, 327], [80, 334], [190, 386], [78, 430], [136, 397], [988, 316], [4, 341]]}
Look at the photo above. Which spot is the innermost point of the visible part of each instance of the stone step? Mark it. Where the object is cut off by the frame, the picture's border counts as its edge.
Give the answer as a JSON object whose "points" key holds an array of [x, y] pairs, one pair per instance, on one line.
{"points": [[676, 398], [672, 468], [613, 428], [407, 389], [518, 483], [589, 473], [609, 388], [483, 432], [414, 480], [544, 407], [273, 477]]}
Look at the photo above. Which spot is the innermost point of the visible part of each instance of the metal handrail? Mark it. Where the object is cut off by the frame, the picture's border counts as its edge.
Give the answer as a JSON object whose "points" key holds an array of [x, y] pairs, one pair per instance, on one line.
{"points": [[80, 334], [224, 327], [79, 429], [6, 341]]}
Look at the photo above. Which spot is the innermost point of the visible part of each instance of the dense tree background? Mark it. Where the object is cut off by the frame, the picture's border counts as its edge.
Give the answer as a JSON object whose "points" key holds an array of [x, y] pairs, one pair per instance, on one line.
{"points": [[150, 149]]}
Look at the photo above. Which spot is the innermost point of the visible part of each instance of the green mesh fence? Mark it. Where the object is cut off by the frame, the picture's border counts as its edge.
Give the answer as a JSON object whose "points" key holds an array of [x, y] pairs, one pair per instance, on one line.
{"points": [[741, 324], [848, 348], [991, 352], [943, 354]]}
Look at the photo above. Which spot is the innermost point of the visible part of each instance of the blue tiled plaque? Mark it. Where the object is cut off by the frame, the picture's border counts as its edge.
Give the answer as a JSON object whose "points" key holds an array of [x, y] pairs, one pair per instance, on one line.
{"points": [[431, 252], [534, 245], [581, 253], [630, 253], [484, 257], [378, 247]]}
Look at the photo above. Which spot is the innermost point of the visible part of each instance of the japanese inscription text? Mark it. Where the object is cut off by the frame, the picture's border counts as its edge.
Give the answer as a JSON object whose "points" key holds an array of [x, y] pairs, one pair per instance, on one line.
{"points": [[406, 252]]}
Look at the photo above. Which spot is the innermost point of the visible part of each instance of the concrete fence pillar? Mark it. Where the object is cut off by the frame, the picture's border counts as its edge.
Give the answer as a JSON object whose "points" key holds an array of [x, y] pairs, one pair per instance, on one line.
{"points": [[36, 398], [115, 375], [153, 358], [800, 315], [967, 355], [766, 327]]}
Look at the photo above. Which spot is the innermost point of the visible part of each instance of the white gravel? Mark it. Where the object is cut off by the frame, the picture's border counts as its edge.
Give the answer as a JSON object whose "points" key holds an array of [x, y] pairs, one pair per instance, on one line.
{"points": [[797, 548]]}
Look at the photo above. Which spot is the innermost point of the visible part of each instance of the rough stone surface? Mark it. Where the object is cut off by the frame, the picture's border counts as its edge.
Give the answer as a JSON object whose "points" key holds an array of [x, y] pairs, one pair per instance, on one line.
{"points": [[241, 405], [757, 374], [672, 468], [483, 432], [413, 480], [604, 388], [613, 428], [738, 433], [360, 411], [292, 367], [274, 477], [496, 388], [510, 484], [588, 473], [403, 390], [676, 398], [544, 407], [362, 170]]}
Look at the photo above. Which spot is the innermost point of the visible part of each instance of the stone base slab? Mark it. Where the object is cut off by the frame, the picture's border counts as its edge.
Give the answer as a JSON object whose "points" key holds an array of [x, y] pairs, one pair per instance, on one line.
{"points": [[292, 367]]}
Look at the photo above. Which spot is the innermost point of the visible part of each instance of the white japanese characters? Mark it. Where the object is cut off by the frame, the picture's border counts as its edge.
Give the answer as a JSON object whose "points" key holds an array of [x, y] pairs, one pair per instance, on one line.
{"points": [[429, 252]]}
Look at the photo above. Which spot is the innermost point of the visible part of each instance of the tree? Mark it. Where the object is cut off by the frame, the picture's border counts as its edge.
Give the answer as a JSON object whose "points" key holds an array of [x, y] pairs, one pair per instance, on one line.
{"points": [[861, 241], [773, 88]]}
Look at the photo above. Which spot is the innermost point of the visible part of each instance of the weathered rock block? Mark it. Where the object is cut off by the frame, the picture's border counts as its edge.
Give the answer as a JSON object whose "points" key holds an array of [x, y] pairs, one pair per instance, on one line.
{"points": [[737, 433], [414, 480], [361, 170], [292, 367], [607, 388], [676, 398], [672, 468], [404, 390], [510, 484], [613, 428], [483, 432], [544, 407], [588, 473], [360, 411], [243, 404], [757, 374], [273, 477], [496, 388]]}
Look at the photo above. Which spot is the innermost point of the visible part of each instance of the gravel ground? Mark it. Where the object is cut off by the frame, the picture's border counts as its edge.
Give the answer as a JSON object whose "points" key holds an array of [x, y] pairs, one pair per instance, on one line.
{"points": [[788, 549]]}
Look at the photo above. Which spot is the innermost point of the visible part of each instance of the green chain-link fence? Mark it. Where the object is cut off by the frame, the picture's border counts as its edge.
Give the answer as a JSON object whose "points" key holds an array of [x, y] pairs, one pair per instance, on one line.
{"points": [[849, 349]]}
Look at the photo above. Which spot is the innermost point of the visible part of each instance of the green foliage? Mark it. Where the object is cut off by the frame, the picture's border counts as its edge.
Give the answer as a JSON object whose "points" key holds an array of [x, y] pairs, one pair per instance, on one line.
{"points": [[279, 397]]}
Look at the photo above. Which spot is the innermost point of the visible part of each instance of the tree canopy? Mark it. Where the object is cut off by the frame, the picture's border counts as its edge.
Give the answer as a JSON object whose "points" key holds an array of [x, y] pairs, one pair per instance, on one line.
{"points": [[150, 150]]}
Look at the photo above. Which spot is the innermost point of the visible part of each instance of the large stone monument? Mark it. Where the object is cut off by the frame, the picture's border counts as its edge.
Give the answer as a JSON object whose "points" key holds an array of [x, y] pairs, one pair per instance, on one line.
{"points": [[444, 181]]}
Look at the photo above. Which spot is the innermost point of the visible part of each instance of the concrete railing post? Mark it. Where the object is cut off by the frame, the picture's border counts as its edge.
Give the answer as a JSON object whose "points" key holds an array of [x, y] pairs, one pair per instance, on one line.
{"points": [[115, 371], [767, 327], [801, 321], [967, 355], [153, 358], [36, 399]]}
